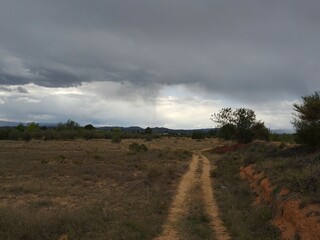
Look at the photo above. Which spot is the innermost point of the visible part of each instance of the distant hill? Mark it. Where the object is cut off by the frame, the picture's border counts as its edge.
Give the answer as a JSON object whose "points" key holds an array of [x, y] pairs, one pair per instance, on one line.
{"points": [[282, 131], [136, 129], [14, 124], [161, 130], [8, 124], [157, 130]]}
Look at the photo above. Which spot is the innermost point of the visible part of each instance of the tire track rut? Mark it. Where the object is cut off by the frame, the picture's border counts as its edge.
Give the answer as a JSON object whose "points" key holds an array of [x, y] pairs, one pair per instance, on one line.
{"points": [[179, 204]]}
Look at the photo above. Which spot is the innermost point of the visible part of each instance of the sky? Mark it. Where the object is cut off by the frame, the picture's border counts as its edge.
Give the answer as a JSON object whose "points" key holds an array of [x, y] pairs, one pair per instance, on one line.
{"points": [[168, 63]]}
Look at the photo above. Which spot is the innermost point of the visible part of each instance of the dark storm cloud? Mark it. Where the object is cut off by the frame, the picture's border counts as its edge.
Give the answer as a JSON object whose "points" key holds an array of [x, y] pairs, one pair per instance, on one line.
{"points": [[8, 79], [244, 49]]}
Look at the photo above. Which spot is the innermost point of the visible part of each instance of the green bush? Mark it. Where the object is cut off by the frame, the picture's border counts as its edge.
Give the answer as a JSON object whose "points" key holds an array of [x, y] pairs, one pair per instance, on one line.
{"points": [[88, 134], [26, 136], [89, 127], [137, 148], [14, 134], [4, 133], [260, 131], [48, 135], [198, 135], [116, 138], [148, 137], [148, 130], [66, 134]]}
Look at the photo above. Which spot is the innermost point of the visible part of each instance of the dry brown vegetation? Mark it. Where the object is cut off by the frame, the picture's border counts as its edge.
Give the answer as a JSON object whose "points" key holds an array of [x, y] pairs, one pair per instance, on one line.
{"points": [[89, 189], [275, 193], [102, 190], [235, 198]]}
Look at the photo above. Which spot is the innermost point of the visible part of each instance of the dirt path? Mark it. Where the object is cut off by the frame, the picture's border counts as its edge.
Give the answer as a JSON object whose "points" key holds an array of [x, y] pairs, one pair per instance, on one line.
{"points": [[211, 203], [179, 204], [179, 201]]}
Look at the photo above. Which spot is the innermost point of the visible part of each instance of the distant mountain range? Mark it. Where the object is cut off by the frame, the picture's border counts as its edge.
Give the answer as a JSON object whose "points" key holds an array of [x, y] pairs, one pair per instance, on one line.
{"points": [[8, 124], [14, 124], [282, 131], [159, 130]]}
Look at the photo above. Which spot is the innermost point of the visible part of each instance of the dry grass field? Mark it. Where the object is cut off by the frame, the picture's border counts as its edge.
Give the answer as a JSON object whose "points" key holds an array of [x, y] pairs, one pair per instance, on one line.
{"points": [[89, 189], [96, 189]]}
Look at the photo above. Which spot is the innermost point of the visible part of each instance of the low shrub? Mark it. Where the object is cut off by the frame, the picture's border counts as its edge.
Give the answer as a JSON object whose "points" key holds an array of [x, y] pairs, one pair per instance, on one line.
{"points": [[116, 138], [198, 135], [148, 137], [137, 148]]}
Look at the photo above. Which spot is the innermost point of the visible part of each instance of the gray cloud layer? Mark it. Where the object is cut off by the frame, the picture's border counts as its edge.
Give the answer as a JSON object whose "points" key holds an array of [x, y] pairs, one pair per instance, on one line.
{"points": [[245, 49]]}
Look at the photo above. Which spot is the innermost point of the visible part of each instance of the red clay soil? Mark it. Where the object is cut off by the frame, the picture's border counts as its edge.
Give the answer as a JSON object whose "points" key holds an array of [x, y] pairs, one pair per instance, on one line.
{"points": [[294, 221]]}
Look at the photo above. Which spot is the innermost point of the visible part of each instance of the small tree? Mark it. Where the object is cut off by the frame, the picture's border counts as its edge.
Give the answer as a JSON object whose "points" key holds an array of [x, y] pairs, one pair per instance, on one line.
{"points": [[32, 127], [116, 138], [227, 131], [260, 131], [306, 120], [238, 124], [244, 119], [198, 135], [148, 130], [212, 132], [89, 127], [69, 125], [116, 135], [20, 127]]}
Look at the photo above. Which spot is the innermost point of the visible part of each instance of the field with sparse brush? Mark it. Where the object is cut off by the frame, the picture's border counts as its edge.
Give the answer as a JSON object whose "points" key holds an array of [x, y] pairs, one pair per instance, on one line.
{"points": [[89, 189], [99, 189]]}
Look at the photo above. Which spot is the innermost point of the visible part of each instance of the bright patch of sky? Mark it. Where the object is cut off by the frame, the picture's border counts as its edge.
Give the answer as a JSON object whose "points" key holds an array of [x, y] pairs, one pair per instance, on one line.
{"points": [[100, 103]]}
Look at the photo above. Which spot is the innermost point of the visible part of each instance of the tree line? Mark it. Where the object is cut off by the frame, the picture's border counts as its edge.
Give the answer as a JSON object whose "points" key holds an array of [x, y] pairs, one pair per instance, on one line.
{"points": [[238, 125], [71, 130], [68, 130], [242, 126]]}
